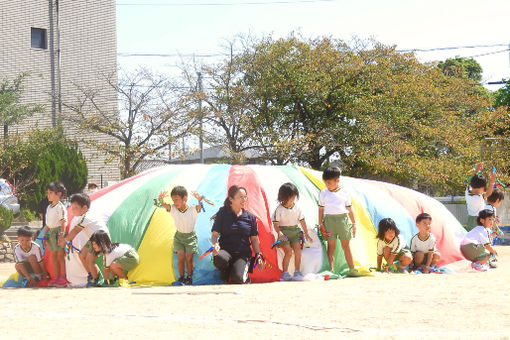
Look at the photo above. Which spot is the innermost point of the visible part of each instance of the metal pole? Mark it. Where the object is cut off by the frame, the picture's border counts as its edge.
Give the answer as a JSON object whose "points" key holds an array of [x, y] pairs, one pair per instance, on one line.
{"points": [[59, 75], [201, 135]]}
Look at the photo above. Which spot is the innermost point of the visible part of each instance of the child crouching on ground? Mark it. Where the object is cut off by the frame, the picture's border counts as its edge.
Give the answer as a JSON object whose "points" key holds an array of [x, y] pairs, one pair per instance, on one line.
{"points": [[423, 244], [28, 257], [476, 246], [391, 246], [119, 258], [84, 225]]}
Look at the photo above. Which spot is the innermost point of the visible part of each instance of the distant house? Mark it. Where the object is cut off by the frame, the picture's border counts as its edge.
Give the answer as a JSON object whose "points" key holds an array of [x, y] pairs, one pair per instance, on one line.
{"points": [[61, 43], [217, 154]]}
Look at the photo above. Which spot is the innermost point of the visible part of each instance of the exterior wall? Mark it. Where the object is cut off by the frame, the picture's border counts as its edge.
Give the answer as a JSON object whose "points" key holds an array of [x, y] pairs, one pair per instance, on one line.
{"points": [[88, 51], [459, 210]]}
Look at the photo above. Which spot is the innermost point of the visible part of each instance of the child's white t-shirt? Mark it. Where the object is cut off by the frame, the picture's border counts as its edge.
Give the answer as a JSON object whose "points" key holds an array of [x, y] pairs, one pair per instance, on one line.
{"points": [[21, 255], [55, 214], [184, 220], [287, 217], [429, 244], [89, 224], [478, 235], [397, 244], [335, 202], [474, 202], [117, 252]]}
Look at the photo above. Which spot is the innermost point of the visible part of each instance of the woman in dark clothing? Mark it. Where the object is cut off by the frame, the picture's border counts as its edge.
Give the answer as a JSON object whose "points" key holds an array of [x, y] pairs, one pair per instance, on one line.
{"points": [[233, 230]]}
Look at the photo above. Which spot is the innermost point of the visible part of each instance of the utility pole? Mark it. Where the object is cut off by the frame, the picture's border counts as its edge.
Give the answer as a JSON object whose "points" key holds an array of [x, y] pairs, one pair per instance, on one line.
{"points": [[201, 135]]}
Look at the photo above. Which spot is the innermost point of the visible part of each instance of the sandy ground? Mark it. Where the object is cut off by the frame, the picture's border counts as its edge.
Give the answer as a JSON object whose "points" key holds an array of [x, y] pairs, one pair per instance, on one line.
{"points": [[455, 306]]}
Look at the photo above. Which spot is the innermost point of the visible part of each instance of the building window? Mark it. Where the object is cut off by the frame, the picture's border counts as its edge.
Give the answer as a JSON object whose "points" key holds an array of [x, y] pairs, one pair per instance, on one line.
{"points": [[38, 38]]}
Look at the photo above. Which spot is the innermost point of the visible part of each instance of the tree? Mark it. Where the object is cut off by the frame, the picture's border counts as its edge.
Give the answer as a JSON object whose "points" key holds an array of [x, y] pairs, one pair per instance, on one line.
{"points": [[153, 114], [11, 109], [462, 68], [382, 113], [41, 156], [502, 96]]}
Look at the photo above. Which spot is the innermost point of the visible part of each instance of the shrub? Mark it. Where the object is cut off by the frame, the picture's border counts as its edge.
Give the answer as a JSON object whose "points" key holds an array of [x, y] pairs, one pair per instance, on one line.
{"points": [[5, 219]]}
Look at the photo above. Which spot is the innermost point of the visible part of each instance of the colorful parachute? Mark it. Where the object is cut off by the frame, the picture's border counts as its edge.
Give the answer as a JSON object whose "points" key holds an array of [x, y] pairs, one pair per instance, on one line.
{"points": [[132, 218]]}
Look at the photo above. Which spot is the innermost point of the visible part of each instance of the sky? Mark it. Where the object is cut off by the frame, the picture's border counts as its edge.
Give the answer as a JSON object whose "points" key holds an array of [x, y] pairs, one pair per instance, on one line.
{"points": [[201, 27]]}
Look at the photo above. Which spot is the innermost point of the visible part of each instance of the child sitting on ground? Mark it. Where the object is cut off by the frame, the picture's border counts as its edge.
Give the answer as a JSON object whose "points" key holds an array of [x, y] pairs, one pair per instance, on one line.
{"points": [[476, 246], [119, 258], [185, 239], [423, 244], [337, 218], [493, 202], [83, 226], [475, 195], [286, 220], [391, 246], [28, 257]]}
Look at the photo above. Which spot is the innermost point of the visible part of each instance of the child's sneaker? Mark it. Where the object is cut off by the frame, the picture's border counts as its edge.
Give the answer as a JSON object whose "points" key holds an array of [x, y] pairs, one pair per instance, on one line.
{"points": [[493, 264], [478, 266], [92, 282], [298, 276], [354, 273], [124, 283], [60, 282], [52, 282], [188, 281], [286, 276]]}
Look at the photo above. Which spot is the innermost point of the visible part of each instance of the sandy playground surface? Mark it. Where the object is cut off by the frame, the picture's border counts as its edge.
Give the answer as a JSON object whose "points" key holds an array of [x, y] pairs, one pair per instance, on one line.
{"points": [[455, 306]]}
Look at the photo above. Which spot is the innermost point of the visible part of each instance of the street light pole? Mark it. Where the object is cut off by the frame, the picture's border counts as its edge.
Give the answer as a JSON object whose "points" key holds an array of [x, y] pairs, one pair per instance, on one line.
{"points": [[201, 135]]}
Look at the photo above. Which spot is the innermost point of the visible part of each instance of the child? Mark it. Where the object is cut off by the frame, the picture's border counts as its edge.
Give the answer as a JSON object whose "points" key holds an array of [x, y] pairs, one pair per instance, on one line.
{"points": [[476, 246], [28, 257], [423, 244], [391, 245], [286, 220], [493, 202], [84, 225], [336, 217], [185, 238], [56, 220], [475, 193], [119, 258]]}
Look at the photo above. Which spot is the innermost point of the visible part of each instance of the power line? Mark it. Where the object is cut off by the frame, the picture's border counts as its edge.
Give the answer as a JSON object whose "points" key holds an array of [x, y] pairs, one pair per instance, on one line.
{"points": [[450, 48], [488, 53], [210, 55], [225, 3]]}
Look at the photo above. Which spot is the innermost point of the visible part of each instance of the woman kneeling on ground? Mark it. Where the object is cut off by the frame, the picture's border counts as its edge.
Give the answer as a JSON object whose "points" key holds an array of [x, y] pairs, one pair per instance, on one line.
{"points": [[233, 230]]}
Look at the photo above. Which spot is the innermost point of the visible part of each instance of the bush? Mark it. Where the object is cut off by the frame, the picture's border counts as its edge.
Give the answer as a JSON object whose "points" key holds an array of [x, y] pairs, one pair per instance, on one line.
{"points": [[26, 215], [41, 157], [5, 219], [60, 162]]}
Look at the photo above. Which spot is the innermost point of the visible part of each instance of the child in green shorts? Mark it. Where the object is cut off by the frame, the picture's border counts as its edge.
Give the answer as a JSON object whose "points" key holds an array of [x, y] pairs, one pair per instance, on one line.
{"points": [[336, 217], [391, 246], [185, 239], [56, 221], [286, 220], [119, 258]]}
